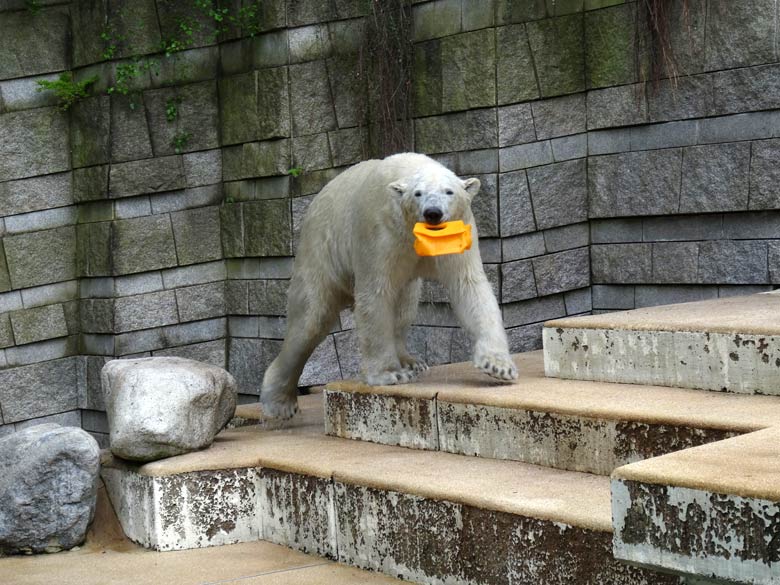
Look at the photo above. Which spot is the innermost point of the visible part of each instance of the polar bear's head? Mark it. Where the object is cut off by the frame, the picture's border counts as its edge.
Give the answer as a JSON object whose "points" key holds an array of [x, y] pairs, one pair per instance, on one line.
{"points": [[434, 195]]}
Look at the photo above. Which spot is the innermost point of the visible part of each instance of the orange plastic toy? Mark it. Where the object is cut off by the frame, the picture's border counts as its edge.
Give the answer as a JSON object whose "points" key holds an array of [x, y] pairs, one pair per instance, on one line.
{"points": [[451, 237]]}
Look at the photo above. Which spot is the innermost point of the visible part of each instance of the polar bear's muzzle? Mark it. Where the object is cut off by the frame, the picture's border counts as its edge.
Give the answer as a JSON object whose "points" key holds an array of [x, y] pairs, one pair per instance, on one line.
{"points": [[433, 215]]}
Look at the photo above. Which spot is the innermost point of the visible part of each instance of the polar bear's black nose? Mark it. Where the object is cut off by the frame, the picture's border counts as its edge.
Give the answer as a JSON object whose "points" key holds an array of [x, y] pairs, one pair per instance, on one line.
{"points": [[433, 215]]}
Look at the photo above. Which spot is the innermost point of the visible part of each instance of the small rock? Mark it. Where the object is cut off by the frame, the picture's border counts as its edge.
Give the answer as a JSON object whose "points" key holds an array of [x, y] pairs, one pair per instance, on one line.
{"points": [[48, 488], [164, 406]]}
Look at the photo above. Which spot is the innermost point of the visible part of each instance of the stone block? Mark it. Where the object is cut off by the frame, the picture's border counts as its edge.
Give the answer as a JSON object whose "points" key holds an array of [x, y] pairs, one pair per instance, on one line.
{"points": [[774, 262], [268, 228], [613, 296], [231, 217], [197, 235], [41, 220], [751, 226], [621, 263], [36, 193], [476, 162], [268, 297], [635, 183], [38, 390], [739, 35], [6, 331], [745, 89], [172, 14], [210, 352], [130, 139], [236, 297], [260, 268], [189, 198], [609, 141], [535, 310], [436, 19], [578, 302], [19, 57], [559, 193], [524, 338], [41, 257], [153, 175], [323, 365], [515, 125], [195, 274], [196, 117], [682, 227], [137, 284], [715, 178], [569, 147], [302, 12], [733, 262], [268, 50], [190, 66], [427, 76], [675, 262], [348, 88], [747, 126], [5, 276], [256, 159], [255, 106], [204, 301], [516, 79], [559, 116], [464, 60], [145, 311], [90, 183], [610, 46], [517, 281], [202, 168], [687, 97], [524, 156], [653, 296], [567, 237], [485, 207], [311, 104], [509, 11], [765, 175], [563, 271], [312, 152], [667, 135], [248, 359], [142, 244], [347, 146], [556, 44], [517, 215], [97, 315], [31, 325], [616, 106], [130, 207], [456, 132], [522, 246], [476, 14], [51, 349], [33, 142], [23, 94], [93, 252]]}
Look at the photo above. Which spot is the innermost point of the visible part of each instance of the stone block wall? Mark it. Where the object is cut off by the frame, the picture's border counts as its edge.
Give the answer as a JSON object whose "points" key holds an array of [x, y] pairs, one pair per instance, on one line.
{"points": [[162, 219]]}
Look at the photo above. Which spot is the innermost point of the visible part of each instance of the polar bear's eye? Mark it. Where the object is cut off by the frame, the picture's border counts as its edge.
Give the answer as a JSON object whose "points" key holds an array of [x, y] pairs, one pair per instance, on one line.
{"points": [[418, 193], [449, 191]]}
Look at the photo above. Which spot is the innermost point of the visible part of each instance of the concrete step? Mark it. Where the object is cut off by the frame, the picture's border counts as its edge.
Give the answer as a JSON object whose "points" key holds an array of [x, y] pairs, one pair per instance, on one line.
{"points": [[108, 557], [730, 345], [712, 511], [423, 516], [566, 424]]}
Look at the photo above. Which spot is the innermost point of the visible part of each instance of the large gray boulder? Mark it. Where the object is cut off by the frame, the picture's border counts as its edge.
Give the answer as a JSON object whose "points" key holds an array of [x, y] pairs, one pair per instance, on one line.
{"points": [[48, 488], [163, 406]]}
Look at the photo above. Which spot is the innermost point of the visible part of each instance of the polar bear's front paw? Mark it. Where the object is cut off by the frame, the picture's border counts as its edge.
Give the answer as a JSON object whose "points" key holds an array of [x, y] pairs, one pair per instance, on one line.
{"points": [[279, 409], [390, 377], [413, 364], [496, 365]]}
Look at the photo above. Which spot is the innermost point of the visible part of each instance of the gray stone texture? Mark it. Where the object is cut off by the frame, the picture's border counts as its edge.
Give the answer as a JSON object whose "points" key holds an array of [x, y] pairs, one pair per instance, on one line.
{"points": [[142, 244], [621, 263], [567, 237], [740, 34], [624, 105], [556, 45], [36, 193], [204, 301], [255, 106], [516, 79], [145, 311], [19, 57], [50, 476], [525, 156], [456, 132], [41, 257], [464, 59], [559, 193], [610, 46], [515, 201], [635, 183], [153, 175], [715, 178], [517, 281], [31, 325], [515, 125], [197, 235], [765, 175], [268, 228], [682, 227], [39, 389], [163, 406], [130, 139], [563, 271], [559, 116], [311, 104], [733, 262], [33, 142], [675, 262]]}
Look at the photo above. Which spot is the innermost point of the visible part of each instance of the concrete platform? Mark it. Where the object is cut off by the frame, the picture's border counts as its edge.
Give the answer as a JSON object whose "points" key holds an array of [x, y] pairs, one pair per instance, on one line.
{"points": [[423, 516], [730, 345], [566, 424], [713, 510], [109, 558]]}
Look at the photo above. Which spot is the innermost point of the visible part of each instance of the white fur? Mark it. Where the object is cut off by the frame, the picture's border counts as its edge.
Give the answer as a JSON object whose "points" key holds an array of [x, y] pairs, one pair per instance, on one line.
{"points": [[357, 248]]}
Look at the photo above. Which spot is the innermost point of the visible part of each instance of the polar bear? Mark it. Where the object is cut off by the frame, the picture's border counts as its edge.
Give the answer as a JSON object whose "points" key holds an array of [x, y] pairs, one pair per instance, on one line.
{"points": [[357, 249]]}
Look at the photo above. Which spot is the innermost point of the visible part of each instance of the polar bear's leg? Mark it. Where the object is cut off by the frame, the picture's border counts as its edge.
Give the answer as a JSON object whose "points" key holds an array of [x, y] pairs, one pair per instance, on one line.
{"points": [[406, 311], [375, 315], [477, 310], [310, 314]]}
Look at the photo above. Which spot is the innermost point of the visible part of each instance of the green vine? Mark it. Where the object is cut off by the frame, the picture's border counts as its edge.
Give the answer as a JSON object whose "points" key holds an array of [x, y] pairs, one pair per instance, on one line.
{"points": [[67, 90], [295, 172], [172, 108], [180, 140]]}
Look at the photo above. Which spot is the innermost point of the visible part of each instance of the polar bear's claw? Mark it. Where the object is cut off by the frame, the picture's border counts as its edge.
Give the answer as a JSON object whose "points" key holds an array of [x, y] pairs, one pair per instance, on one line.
{"points": [[391, 377], [497, 366], [280, 410], [414, 365]]}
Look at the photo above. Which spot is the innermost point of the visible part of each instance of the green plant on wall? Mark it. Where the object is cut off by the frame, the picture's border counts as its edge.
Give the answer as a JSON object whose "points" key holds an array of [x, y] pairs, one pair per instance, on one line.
{"points": [[172, 108], [295, 172], [180, 140], [33, 6], [68, 91]]}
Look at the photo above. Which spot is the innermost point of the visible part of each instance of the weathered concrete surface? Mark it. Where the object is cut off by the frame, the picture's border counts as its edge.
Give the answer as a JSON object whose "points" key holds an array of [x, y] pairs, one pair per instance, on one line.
{"points": [[712, 511], [580, 426], [730, 345]]}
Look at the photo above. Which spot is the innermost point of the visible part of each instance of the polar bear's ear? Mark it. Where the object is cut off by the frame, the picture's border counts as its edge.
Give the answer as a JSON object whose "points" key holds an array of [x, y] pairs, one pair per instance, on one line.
{"points": [[472, 186], [398, 186]]}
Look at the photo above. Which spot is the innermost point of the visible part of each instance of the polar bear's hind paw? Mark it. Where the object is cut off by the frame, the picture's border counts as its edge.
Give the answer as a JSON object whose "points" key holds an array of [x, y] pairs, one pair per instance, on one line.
{"points": [[500, 367], [280, 410], [412, 364], [390, 377]]}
